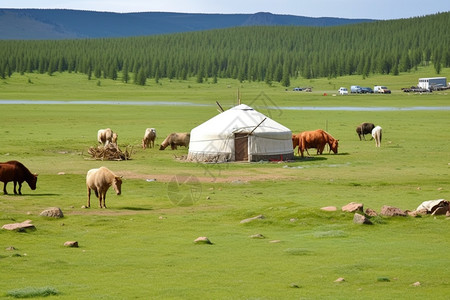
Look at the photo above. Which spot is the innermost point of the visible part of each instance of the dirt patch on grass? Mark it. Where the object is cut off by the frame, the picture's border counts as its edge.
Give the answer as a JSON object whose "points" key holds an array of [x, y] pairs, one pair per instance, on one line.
{"points": [[216, 177]]}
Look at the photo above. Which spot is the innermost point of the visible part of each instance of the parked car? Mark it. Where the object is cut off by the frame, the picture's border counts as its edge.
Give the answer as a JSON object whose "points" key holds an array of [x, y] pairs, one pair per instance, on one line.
{"points": [[343, 91], [366, 90], [381, 89], [355, 89]]}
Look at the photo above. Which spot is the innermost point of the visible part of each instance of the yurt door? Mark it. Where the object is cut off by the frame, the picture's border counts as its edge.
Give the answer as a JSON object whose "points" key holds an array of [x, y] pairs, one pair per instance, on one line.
{"points": [[241, 146]]}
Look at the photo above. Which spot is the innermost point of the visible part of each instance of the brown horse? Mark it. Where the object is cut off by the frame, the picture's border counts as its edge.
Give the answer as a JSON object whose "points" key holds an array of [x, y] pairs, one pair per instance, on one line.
{"points": [[16, 172], [363, 129], [316, 139]]}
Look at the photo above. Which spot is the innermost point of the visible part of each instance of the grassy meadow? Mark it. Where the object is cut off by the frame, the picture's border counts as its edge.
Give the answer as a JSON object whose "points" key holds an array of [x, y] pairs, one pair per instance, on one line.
{"points": [[142, 246]]}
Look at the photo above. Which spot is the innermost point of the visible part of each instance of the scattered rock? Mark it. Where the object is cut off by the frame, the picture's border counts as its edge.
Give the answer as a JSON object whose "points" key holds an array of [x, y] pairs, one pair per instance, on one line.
{"points": [[432, 205], [415, 213], [371, 213], [84, 206], [440, 211], [417, 283], [340, 279], [162, 218], [257, 236], [61, 173], [259, 217], [329, 208], [294, 286], [419, 212], [275, 241], [353, 207], [10, 248], [19, 226], [361, 219], [390, 211], [203, 240], [53, 212], [72, 244], [293, 219]]}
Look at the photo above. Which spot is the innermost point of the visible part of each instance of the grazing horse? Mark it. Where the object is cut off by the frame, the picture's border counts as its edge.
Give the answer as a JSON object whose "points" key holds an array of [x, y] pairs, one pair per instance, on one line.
{"points": [[317, 139], [149, 138], [363, 129], [16, 172], [106, 136], [176, 139], [99, 180], [376, 134]]}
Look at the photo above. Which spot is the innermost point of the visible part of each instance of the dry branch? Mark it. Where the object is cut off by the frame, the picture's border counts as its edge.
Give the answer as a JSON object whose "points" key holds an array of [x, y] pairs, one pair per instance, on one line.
{"points": [[109, 152]]}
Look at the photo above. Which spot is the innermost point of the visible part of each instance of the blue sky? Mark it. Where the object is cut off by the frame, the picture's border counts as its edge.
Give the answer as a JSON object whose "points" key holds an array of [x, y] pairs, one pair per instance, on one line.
{"points": [[373, 9]]}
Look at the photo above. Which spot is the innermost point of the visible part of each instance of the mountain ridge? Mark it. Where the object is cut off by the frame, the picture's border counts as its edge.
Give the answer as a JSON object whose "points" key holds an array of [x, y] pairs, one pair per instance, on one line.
{"points": [[26, 24]]}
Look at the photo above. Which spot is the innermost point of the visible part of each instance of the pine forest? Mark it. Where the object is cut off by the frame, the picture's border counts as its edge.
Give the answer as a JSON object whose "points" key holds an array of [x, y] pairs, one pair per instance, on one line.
{"points": [[253, 53]]}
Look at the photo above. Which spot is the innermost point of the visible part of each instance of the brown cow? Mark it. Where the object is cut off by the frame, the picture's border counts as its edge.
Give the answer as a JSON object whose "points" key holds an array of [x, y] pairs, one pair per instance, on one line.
{"points": [[176, 139], [316, 139], [149, 138], [99, 180], [363, 129], [16, 172]]}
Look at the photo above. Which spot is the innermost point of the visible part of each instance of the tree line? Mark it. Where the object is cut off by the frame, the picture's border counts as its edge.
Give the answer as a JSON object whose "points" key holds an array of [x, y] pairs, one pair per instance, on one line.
{"points": [[254, 53]]}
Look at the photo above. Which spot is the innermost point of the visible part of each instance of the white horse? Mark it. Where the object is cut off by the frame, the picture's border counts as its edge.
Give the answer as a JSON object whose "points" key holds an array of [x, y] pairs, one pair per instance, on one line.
{"points": [[376, 134]]}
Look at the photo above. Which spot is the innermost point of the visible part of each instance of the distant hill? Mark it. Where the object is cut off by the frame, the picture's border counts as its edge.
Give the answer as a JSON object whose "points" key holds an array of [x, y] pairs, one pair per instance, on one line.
{"points": [[26, 24]]}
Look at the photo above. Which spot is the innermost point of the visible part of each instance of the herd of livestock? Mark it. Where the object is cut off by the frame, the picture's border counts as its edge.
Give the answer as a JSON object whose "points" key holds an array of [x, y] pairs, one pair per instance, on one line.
{"points": [[101, 179]]}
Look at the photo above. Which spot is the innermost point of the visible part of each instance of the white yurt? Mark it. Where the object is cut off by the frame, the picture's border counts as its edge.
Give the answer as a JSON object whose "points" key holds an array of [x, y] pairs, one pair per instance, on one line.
{"points": [[240, 134]]}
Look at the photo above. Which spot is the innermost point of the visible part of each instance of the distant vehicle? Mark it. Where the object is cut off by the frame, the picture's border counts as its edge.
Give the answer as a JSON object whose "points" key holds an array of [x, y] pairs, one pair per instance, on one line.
{"points": [[355, 89], [343, 91], [366, 90], [381, 89], [432, 83], [298, 89], [416, 89]]}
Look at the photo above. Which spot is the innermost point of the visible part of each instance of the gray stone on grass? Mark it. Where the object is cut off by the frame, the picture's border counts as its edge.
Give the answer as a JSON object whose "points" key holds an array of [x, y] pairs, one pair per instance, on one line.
{"points": [[353, 207], [52, 212], [203, 240], [361, 219], [19, 226], [72, 244], [258, 217], [257, 236], [391, 211]]}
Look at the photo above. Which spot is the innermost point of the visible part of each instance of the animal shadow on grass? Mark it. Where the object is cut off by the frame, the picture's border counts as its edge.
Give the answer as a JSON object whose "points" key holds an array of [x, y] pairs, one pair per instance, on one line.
{"points": [[309, 158], [134, 208], [29, 195]]}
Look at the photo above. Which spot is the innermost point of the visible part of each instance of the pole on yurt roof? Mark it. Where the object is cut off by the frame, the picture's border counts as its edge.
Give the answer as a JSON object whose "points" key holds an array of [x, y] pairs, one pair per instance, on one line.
{"points": [[257, 126], [239, 97], [220, 107]]}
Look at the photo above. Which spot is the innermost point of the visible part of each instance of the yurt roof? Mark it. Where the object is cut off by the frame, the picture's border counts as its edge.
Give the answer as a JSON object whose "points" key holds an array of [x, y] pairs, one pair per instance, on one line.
{"points": [[241, 118]]}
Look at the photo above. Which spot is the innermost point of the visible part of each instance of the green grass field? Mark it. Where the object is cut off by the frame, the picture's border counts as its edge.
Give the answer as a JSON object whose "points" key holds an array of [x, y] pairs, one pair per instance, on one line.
{"points": [[142, 246]]}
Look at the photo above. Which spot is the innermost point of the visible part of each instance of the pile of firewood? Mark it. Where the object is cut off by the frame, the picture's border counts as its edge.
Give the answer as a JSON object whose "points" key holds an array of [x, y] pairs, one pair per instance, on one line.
{"points": [[109, 152]]}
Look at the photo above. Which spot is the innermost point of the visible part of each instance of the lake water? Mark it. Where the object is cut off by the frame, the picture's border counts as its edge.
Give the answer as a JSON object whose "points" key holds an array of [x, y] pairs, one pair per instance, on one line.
{"points": [[172, 103]]}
